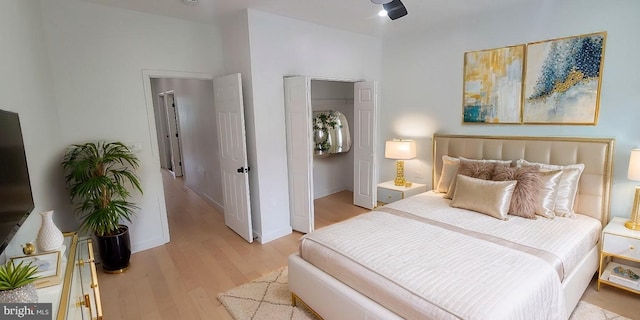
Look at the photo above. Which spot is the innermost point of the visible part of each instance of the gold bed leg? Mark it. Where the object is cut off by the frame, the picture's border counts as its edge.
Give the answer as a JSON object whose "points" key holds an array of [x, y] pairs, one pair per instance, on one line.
{"points": [[294, 303]]}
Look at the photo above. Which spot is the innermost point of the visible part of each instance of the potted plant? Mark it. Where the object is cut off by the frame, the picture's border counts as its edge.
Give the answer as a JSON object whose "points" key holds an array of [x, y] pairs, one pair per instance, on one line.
{"points": [[98, 176], [16, 283]]}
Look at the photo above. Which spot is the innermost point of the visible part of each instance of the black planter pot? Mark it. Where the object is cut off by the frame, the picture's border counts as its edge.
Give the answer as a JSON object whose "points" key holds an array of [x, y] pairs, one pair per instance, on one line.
{"points": [[115, 251]]}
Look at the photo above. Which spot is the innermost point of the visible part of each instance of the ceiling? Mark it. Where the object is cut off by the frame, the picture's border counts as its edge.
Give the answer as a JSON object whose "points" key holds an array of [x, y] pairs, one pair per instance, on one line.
{"points": [[360, 16]]}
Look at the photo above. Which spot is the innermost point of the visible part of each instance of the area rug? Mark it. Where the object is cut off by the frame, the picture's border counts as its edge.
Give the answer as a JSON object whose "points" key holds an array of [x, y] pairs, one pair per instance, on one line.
{"points": [[269, 298]]}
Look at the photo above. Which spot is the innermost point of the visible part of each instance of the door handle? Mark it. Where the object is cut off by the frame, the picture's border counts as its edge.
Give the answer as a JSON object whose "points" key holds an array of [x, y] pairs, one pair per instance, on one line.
{"points": [[243, 169]]}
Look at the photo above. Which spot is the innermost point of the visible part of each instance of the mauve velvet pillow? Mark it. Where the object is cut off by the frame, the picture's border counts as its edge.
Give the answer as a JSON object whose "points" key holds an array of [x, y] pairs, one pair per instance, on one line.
{"points": [[525, 195], [480, 169]]}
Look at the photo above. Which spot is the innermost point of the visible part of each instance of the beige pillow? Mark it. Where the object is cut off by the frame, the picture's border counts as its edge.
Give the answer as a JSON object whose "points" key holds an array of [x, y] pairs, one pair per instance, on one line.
{"points": [[448, 174], [525, 194], [547, 195], [482, 169], [485, 196], [567, 187]]}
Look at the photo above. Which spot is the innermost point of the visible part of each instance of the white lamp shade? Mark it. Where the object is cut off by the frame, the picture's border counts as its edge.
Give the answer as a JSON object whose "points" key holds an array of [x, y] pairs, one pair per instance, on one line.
{"points": [[381, 1], [634, 165], [400, 149]]}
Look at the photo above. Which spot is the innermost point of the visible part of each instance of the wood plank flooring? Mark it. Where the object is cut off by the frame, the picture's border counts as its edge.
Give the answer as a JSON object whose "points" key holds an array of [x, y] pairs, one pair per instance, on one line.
{"points": [[181, 279]]}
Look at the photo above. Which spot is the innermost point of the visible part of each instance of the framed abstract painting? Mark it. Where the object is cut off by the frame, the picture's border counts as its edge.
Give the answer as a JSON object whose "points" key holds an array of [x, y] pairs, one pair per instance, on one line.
{"points": [[492, 86], [562, 80]]}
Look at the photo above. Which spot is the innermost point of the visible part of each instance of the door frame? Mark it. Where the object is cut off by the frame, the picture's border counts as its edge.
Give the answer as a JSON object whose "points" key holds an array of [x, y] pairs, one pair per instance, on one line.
{"points": [[147, 75], [348, 80], [175, 143], [163, 147]]}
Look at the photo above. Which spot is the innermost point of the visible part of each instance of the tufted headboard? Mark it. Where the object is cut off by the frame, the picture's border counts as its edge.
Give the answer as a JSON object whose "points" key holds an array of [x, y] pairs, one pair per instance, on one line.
{"points": [[597, 155]]}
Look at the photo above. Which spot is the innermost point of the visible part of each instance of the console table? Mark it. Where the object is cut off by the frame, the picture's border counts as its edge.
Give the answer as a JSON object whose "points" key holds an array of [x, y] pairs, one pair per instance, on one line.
{"points": [[78, 295]]}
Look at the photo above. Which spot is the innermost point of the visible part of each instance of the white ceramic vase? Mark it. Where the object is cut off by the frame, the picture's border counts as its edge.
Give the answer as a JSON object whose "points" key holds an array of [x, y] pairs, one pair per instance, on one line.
{"points": [[49, 237]]}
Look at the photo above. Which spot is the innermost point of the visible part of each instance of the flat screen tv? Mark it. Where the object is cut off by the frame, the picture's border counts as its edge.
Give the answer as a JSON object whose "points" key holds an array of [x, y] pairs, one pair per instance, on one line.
{"points": [[16, 200]]}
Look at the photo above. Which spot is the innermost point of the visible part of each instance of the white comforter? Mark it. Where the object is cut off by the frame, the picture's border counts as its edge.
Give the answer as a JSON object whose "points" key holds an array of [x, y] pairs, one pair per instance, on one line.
{"points": [[567, 238], [420, 271]]}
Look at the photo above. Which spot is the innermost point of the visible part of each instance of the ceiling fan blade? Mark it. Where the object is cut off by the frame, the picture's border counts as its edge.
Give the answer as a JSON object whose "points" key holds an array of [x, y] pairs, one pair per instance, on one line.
{"points": [[395, 9]]}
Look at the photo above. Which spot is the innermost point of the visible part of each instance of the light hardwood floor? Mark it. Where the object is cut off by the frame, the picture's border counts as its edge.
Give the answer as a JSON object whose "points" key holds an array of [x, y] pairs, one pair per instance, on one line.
{"points": [[181, 279]]}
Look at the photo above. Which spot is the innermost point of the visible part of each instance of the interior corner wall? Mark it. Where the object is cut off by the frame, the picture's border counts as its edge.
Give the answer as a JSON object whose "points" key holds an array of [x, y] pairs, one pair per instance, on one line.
{"points": [[237, 59], [26, 88], [279, 47], [98, 55], [423, 71]]}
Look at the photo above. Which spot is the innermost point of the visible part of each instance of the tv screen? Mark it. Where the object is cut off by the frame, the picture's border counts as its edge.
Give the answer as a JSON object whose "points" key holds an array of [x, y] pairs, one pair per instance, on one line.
{"points": [[16, 201]]}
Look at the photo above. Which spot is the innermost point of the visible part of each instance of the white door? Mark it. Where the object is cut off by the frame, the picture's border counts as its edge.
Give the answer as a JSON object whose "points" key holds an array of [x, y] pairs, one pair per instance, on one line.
{"points": [[297, 102], [174, 134], [164, 141], [228, 102], [365, 127]]}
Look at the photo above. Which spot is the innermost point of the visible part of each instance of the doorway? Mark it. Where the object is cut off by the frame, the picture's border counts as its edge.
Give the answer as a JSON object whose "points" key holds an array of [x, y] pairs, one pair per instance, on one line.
{"points": [[187, 134], [354, 170], [202, 105]]}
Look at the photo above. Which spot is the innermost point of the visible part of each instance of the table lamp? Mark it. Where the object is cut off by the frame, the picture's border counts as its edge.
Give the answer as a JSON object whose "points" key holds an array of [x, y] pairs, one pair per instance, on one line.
{"points": [[634, 174], [400, 150]]}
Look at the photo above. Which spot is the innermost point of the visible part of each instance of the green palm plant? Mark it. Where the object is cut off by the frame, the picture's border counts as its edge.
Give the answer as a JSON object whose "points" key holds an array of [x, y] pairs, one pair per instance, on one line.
{"points": [[97, 174], [13, 277]]}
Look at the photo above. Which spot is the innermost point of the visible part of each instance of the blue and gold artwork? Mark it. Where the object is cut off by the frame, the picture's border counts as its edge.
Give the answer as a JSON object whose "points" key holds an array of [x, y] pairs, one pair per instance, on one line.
{"points": [[562, 80], [493, 85]]}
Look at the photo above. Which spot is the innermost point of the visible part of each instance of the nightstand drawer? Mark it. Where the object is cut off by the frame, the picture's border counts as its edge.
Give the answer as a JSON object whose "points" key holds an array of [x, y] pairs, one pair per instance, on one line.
{"points": [[388, 196], [621, 246]]}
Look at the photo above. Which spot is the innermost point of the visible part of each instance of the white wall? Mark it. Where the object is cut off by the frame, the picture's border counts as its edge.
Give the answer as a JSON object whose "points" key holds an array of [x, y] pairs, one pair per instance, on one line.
{"points": [[422, 79], [97, 57], [25, 87], [333, 173], [282, 46], [237, 59], [198, 135]]}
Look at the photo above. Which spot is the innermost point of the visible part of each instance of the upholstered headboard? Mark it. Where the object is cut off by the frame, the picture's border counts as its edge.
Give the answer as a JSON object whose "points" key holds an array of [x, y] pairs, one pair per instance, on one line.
{"points": [[597, 155]]}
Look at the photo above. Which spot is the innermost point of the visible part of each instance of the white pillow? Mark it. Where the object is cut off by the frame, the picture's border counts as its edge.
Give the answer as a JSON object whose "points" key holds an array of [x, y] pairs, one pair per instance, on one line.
{"points": [[546, 201], [492, 198], [449, 170], [567, 187]]}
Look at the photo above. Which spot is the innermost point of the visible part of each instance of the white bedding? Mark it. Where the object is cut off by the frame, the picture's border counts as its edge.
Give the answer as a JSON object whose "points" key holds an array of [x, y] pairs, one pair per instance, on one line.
{"points": [[567, 238], [419, 270]]}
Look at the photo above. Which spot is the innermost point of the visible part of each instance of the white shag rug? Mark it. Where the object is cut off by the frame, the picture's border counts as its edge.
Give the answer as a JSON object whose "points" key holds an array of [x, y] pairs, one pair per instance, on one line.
{"points": [[269, 298]]}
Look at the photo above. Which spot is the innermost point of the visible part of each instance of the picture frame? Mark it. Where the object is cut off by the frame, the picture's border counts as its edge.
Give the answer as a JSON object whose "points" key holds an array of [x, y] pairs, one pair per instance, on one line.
{"points": [[49, 267], [492, 85], [562, 80]]}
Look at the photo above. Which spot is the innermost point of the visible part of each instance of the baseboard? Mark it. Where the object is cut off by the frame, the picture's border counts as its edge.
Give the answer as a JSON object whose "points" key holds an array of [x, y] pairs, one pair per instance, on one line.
{"points": [[324, 193], [208, 199], [264, 238], [145, 245]]}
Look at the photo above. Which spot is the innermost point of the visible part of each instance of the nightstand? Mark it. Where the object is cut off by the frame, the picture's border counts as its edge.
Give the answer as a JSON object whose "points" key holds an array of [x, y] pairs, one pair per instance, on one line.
{"points": [[388, 192], [623, 245]]}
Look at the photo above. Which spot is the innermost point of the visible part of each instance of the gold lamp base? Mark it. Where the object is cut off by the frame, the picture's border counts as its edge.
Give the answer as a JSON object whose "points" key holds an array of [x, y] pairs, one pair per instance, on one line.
{"points": [[399, 181], [634, 223]]}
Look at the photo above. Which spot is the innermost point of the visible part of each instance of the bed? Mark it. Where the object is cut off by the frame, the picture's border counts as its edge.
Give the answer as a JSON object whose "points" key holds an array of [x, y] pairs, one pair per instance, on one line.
{"points": [[421, 258]]}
